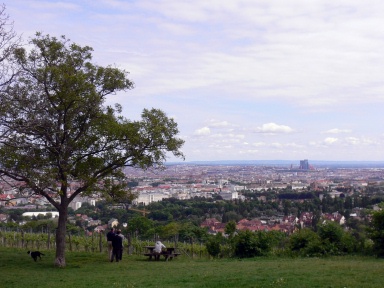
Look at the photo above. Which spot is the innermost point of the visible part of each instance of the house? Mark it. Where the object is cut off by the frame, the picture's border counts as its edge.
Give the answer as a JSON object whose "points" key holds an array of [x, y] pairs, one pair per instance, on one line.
{"points": [[334, 217], [306, 219], [113, 222], [6, 200], [214, 226], [292, 220], [252, 225], [3, 218], [101, 228]]}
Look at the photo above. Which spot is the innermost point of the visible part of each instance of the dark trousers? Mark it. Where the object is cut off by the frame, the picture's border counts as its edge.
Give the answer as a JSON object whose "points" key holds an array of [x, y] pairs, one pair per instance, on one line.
{"points": [[157, 256], [121, 254], [116, 254]]}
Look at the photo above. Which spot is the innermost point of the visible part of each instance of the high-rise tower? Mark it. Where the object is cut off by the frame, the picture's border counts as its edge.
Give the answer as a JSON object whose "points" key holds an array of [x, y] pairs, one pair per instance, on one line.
{"points": [[304, 165]]}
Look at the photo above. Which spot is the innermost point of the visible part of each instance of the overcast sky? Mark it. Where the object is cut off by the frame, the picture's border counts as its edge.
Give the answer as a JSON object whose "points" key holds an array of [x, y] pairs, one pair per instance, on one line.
{"points": [[244, 80]]}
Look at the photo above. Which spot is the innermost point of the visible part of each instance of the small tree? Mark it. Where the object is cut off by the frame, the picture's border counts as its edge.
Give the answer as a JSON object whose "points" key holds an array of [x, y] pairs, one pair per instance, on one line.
{"points": [[230, 228], [56, 130], [213, 245], [140, 226], [376, 233], [305, 242], [335, 240], [249, 244]]}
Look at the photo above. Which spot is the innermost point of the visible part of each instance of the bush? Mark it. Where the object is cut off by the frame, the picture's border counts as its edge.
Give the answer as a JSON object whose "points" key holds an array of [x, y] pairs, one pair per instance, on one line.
{"points": [[330, 239], [335, 240], [213, 246], [305, 242], [330, 231], [249, 244], [376, 233]]}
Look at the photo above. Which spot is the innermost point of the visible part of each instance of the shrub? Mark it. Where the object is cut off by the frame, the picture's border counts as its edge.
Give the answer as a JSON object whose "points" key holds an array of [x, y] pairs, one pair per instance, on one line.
{"points": [[335, 240], [330, 231], [213, 246], [376, 233], [306, 242], [250, 244]]}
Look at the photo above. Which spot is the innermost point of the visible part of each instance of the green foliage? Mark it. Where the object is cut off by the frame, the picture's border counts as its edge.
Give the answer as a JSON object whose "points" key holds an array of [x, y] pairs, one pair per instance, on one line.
{"points": [[230, 228], [169, 230], [335, 240], [213, 246], [305, 242], [189, 231], [330, 239], [376, 233], [140, 226], [330, 232], [39, 225], [249, 244]]}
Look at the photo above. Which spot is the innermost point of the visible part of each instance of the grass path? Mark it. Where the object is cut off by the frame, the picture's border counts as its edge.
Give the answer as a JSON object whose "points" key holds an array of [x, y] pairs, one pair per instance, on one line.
{"points": [[93, 270]]}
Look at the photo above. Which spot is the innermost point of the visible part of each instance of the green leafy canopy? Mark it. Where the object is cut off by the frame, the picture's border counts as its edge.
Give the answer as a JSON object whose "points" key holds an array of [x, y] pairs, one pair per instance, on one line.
{"points": [[55, 127]]}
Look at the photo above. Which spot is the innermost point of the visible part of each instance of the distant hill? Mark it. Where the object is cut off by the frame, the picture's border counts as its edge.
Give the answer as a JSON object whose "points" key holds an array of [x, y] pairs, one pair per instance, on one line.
{"points": [[288, 163]]}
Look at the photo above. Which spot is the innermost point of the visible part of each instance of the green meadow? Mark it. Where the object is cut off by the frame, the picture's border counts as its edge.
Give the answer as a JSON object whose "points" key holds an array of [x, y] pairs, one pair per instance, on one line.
{"points": [[93, 270]]}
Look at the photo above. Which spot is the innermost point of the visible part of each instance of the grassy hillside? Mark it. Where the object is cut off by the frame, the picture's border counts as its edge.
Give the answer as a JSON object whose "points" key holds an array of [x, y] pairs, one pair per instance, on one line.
{"points": [[93, 270]]}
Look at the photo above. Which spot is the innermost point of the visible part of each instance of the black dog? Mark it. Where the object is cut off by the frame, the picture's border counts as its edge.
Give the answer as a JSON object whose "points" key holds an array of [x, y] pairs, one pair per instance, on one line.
{"points": [[35, 254]]}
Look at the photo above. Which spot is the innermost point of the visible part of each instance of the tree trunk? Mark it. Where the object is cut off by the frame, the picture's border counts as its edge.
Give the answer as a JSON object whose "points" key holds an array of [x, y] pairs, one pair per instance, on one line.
{"points": [[60, 236]]}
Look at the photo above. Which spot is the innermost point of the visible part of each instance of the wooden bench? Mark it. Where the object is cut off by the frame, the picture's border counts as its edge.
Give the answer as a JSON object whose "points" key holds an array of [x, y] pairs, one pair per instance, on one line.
{"points": [[167, 255]]}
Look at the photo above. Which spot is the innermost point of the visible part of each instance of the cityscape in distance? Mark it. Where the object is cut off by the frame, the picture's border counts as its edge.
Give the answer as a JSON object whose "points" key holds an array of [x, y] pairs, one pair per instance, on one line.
{"points": [[287, 163]]}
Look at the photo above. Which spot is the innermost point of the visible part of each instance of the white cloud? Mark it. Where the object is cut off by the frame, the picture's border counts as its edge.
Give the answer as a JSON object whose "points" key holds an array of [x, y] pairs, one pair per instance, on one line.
{"points": [[202, 131], [274, 128], [330, 140], [337, 131], [352, 140], [218, 124]]}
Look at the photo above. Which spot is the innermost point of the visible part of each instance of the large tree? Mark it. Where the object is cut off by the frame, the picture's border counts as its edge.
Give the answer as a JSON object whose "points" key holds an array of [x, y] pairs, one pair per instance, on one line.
{"points": [[9, 41], [55, 128]]}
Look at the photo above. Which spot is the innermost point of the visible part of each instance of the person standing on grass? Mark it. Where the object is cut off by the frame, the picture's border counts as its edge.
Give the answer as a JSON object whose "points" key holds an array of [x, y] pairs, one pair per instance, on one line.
{"points": [[110, 236], [122, 245], [158, 248], [117, 243]]}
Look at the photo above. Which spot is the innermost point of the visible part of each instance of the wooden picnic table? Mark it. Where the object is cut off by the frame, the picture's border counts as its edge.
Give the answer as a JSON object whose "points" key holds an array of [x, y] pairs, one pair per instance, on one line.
{"points": [[168, 253]]}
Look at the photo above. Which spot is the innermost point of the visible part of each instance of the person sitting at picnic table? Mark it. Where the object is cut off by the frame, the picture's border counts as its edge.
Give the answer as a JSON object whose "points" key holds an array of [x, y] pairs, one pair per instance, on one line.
{"points": [[158, 248]]}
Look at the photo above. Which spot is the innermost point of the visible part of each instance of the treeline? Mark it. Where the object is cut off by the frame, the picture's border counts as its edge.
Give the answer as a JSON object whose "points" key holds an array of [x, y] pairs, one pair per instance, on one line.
{"points": [[172, 218], [257, 205], [327, 239], [196, 210]]}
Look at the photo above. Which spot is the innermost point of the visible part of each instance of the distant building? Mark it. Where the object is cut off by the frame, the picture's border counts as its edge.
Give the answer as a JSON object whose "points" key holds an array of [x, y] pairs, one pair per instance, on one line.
{"points": [[113, 223], [229, 195], [78, 201], [304, 165], [53, 214], [149, 197]]}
